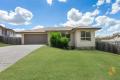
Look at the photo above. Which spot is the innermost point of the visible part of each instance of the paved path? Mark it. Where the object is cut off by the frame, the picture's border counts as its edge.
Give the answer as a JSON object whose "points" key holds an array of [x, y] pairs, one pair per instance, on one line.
{"points": [[11, 54]]}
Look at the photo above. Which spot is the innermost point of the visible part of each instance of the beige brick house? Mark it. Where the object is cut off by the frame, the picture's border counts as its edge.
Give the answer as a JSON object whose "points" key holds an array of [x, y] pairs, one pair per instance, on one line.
{"points": [[80, 37]]}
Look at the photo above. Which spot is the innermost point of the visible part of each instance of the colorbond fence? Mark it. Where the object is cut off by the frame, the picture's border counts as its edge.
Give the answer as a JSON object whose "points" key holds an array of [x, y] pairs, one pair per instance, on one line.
{"points": [[108, 47], [11, 40]]}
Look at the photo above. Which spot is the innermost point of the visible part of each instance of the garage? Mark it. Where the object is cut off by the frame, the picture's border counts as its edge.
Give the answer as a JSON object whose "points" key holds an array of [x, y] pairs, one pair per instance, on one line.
{"points": [[35, 39]]}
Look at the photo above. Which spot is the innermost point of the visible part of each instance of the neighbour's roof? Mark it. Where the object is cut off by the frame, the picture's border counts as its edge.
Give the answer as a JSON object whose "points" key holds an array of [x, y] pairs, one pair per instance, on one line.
{"points": [[114, 37], [10, 29], [2, 26], [49, 29], [6, 28]]}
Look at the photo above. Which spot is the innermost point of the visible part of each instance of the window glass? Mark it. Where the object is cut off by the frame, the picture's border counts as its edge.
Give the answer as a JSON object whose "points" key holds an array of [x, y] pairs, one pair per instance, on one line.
{"points": [[88, 34], [83, 34], [89, 39]]}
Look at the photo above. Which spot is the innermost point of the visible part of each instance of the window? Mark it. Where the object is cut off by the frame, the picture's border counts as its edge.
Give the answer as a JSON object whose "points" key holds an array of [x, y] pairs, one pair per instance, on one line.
{"points": [[86, 36], [65, 35]]}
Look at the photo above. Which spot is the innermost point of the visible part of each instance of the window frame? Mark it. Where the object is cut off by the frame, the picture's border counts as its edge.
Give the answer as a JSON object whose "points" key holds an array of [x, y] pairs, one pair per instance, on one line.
{"points": [[84, 36]]}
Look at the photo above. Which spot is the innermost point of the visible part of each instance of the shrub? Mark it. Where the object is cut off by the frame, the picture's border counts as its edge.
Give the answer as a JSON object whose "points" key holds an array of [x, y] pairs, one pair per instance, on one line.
{"points": [[64, 42], [56, 40]]}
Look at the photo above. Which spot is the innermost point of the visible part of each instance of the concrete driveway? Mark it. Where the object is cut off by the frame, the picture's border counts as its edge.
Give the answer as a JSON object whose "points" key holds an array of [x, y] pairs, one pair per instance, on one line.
{"points": [[11, 54]]}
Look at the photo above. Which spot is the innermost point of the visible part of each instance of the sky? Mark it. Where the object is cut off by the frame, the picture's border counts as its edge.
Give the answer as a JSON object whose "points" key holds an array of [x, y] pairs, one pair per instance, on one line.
{"points": [[33, 14]]}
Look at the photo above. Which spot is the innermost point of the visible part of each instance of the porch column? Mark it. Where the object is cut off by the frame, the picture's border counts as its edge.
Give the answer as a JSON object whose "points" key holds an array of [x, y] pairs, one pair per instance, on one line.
{"points": [[48, 38], [22, 40]]}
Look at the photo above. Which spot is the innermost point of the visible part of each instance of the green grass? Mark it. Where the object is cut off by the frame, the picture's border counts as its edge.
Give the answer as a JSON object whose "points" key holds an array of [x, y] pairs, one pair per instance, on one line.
{"points": [[3, 44], [55, 64]]}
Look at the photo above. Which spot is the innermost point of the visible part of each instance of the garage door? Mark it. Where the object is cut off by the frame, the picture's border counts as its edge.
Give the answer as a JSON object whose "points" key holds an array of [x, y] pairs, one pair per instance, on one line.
{"points": [[35, 38]]}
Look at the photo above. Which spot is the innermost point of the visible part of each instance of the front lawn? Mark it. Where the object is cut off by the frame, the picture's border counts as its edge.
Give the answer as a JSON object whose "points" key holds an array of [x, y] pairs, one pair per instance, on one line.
{"points": [[55, 64], [3, 44]]}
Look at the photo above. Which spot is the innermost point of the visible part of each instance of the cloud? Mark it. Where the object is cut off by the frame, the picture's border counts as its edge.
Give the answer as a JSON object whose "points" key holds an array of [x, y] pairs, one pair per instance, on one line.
{"points": [[37, 27], [76, 18], [108, 25], [74, 15], [101, 20], [19, 29], [115, 28], [51, 1], [106, 21], [87, 19], [115, 7], [108, 1], [62, 0], [95, 12], [100, 2], [20, 16], [22, 29]]}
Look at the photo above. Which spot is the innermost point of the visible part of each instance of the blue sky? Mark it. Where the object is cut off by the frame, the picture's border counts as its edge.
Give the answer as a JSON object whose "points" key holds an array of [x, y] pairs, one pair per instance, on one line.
{"points": [[42, 13]]}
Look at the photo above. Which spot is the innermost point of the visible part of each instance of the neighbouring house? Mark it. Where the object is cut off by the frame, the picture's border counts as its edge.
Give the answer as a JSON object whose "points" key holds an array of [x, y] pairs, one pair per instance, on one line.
{"points": [[10, 33], [18, 35], [6, 32], [80, 37], [114, 39]]}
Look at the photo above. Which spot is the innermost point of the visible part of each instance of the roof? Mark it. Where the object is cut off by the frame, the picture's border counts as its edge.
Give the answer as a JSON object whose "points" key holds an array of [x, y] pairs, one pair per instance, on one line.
{"points": [[86, 27], [34, 30], [49, 29], [59, 29]]}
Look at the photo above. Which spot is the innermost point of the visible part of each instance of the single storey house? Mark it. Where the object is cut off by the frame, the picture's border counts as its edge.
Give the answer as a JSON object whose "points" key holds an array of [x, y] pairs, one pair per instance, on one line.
{"points": [[80, 37]]}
